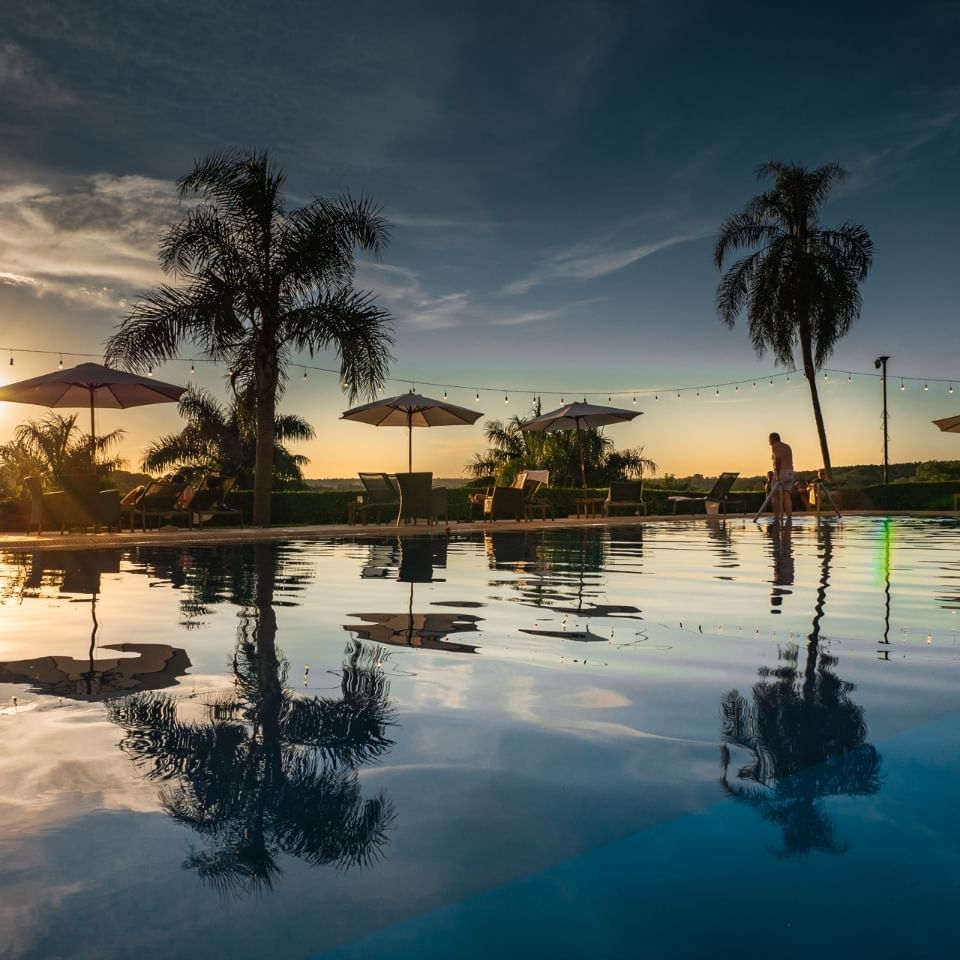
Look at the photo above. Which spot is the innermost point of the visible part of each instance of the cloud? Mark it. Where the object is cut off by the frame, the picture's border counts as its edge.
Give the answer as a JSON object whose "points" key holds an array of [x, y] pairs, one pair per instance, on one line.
{"points": [[93, 239], [23, 82], [579, 263]]}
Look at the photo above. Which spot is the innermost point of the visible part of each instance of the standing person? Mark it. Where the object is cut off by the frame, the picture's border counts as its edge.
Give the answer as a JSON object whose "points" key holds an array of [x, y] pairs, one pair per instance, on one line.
{"points": [[783, 472]]}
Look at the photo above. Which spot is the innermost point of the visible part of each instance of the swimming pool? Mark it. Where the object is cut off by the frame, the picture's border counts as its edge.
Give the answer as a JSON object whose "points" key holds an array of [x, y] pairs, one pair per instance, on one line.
{"points": [[674, 739]]}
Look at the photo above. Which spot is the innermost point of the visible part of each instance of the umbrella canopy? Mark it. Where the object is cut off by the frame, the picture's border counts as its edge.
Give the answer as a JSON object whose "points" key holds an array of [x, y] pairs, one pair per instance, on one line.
{"points": [[93, 385], [949, 424], [412, 410], [576, 416]]}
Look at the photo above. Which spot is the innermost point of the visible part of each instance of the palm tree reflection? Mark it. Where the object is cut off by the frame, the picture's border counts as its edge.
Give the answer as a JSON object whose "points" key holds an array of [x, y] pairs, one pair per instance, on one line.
{"points": [[264, 772], [805, 737]]}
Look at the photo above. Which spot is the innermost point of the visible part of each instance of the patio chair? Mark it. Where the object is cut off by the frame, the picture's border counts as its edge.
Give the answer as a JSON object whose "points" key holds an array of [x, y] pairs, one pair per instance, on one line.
{"points": [[717, 500], [380, 495], [625, 494], [209, 500], [419, 500], [46, 509], [86, 504], [532, 481], [160, 500]]}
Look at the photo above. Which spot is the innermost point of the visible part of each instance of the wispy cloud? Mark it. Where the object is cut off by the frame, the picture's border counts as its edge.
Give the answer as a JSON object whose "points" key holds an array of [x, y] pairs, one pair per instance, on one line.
{"points": [[579, 263], [92, 240], [405, 293], [23, 80]]}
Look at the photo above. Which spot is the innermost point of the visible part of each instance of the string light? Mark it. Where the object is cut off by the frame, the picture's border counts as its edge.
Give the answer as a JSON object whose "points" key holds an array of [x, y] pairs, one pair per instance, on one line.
{"points": [[951, 389], [60, 364], [444, 394], [478, 395], [506, 399], [925, 388], [634, 401], [193, 369], [150, 371], [849, 378], [655, 397], [11, 358], [718, 391], [304, 374], [902, 387], [826, 376]]}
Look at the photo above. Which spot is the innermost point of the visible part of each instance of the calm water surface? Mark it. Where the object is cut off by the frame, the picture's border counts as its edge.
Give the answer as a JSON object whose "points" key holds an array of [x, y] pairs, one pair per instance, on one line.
{"points": [[679, 740]]}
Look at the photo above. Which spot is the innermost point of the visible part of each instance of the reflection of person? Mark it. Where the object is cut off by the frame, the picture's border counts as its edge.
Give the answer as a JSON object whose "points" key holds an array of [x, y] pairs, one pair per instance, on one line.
{"points": [[783, 471], [783, 566]]}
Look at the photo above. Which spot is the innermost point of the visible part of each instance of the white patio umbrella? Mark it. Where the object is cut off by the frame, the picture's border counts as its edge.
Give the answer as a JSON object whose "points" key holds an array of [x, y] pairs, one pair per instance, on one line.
{"points": [[949, 424], [411, 410], [576, 416], [93, 385]]}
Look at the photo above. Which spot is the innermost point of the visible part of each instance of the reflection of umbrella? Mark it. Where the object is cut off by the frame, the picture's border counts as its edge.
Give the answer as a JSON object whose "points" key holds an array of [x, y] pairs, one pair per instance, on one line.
{"points": [[157, 665], [411, 629], [93, 385], [576, 416], [949, 424], [411, 410]]}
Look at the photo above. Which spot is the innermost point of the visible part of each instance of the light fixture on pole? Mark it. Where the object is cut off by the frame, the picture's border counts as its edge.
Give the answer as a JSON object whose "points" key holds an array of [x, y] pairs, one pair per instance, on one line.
{"points": [[881, 364]]}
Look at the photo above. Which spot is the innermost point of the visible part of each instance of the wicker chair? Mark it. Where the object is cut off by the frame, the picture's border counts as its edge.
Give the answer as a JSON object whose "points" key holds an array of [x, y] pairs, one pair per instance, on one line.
{"points": [[419, 500]]}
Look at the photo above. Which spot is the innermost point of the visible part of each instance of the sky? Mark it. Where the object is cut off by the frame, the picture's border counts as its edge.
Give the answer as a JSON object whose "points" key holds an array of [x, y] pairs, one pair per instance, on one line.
{"points": [[554, 177]]}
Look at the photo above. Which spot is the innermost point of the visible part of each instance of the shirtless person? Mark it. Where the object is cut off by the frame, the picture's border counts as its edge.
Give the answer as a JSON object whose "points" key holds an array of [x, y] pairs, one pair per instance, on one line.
{"points": [[783, 471]]}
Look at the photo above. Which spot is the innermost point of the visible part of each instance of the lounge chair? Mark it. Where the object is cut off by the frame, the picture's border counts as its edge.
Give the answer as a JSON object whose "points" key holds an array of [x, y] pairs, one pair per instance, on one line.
{"points": [[717, 500], [625, 494], [46, 509], [160, 500], [209, 500], [380, 495], [518, 501], [419, 500]]}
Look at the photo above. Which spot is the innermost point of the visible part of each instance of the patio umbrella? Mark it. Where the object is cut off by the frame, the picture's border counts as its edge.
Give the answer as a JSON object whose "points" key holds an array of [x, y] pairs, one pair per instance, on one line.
{"points": [[409, 629], [949, 424], [411, 410], [576, 416], [93, 385]]}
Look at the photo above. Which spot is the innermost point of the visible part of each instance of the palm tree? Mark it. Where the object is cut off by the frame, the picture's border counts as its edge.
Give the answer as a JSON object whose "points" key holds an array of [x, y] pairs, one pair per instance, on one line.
{"points": [[57, 446], [225, 439], [259, 283], [512, 450], [267, 772], [806, 739], [801, 287]]}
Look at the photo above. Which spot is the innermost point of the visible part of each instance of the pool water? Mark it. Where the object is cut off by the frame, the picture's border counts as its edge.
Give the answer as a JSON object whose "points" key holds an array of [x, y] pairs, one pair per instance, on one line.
{"points": [[670, 740]]}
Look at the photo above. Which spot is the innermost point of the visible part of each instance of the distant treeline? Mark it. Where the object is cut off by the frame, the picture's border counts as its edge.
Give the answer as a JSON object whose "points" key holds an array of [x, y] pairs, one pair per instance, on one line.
{"points": [[859, 475]]}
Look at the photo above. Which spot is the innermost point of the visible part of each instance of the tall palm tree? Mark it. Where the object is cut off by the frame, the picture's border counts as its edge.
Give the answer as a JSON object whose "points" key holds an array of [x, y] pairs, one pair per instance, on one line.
{"points": [[267, 772], [258, 283], [800, 287], [805, 737], [225, 439]]}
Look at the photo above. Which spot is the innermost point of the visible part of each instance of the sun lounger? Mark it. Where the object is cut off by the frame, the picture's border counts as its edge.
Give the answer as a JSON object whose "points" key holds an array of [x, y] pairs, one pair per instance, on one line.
{"points": [[380, 496], [717, 500], [624, 495], [209, 500]]}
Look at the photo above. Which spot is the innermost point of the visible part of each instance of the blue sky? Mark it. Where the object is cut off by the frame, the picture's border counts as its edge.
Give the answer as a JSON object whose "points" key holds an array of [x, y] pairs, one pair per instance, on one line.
{"points": [[554, 174]]}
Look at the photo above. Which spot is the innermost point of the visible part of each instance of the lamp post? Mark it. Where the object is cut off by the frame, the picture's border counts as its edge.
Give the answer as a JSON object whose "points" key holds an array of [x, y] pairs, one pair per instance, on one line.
{"points": [[881, 364]]}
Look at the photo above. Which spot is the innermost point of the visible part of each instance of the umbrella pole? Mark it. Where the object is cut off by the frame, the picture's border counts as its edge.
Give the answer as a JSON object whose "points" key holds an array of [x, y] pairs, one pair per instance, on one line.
{"points": [[583, 472], [409, 441], [93, 438]]}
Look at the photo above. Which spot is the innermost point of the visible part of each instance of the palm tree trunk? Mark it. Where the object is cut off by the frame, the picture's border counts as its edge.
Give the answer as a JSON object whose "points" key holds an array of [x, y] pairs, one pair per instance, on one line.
{"points": [[810, 373], [263, 468]]}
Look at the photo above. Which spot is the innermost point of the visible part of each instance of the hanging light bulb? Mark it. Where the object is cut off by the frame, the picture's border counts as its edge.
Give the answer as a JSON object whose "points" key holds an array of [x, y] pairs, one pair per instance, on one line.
{"points": [[678, 394], [561, 399], [609, 399], [634, 401], [718, 391], [788, 378], [506, 399], [304, 374], [826, 376], [11, 358], [193, 369], [444, 394], [771, 383], [655, 397], [849, 378], [951, 389], [902, 385], [150, 371], [60, 364], [698, 393], [925, 388], [754, 384], [736, 389], [478, 395]]}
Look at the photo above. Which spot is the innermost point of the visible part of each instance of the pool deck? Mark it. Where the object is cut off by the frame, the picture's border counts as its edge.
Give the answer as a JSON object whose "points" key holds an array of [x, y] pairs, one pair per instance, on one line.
{"points": [[179, 536]]}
